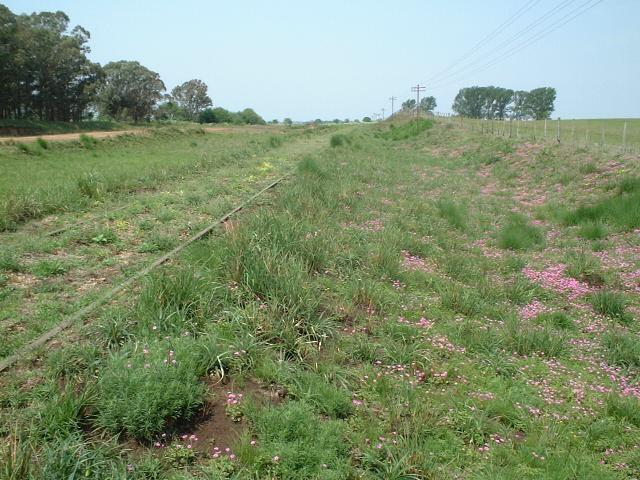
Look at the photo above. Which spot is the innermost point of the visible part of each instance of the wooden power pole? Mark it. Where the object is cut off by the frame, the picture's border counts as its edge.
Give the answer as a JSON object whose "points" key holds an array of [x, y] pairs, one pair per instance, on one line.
{"points": [[418, 88]]}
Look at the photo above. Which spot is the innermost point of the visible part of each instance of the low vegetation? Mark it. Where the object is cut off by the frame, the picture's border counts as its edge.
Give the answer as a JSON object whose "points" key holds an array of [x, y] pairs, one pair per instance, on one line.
{"points": [[411, 303]]}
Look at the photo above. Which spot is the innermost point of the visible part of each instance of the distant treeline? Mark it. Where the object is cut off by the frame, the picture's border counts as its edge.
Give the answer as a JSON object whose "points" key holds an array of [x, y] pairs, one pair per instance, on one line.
{"points": [[45, 75], [500, 103]]}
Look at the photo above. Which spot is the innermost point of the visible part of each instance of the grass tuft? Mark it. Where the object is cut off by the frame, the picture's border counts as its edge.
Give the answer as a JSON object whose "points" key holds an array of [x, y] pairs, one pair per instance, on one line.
{"points": [[518, 234]]}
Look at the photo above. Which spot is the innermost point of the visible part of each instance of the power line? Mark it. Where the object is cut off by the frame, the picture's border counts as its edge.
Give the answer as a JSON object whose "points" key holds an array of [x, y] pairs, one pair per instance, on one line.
{"points": [[393, 99], [521, 11], [509, 41], [576, 12], [418, 88]]}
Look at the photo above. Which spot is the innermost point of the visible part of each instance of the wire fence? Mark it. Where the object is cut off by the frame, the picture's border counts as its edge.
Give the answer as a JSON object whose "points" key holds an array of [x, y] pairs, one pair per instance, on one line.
{"points": [[618, 135]]}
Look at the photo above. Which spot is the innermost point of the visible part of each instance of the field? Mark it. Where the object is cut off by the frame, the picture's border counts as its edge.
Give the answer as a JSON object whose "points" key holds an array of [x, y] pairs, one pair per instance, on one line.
{"points": [[412, 302], [35, 127], [577, 133]]}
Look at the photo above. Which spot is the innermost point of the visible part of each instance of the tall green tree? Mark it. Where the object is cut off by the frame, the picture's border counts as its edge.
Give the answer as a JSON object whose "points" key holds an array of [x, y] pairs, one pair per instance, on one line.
{"points": [[192, 98], [44, 69], [129, 91], [428, 104], [540, 102], [518, 108], [470, 102], [409, 104]]}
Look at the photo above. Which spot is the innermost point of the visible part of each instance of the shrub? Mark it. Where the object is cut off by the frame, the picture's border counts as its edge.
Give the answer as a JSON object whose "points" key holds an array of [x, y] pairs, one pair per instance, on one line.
{"points": [[9, 261], [592, 230], [556, 319], [48, 268], [518, 234], [621, 210], [275, 141], [339, 140], [611, 304], [306, 446], [42, 143], [627, 408], [325, 397], [89, 185], [527, 340], [145, 392], [622, 349], [584, 267], [87, 141], [454, 213], [172, 303]]}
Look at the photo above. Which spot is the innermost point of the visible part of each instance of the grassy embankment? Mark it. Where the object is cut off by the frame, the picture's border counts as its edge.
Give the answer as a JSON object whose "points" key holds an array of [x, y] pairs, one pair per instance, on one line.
{"points": [[429, 305]]}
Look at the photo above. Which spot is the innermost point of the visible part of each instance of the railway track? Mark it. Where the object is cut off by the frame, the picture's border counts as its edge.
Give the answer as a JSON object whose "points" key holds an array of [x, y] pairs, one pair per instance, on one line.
{"points": [[26, 350]]}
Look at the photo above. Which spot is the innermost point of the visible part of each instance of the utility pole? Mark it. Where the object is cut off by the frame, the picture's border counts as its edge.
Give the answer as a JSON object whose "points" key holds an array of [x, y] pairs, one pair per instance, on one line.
{"points": [[418, 88], [383, 114], [393, 99]]}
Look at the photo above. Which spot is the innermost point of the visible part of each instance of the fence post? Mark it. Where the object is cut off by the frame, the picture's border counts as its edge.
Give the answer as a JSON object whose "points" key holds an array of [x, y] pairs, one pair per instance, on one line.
{"points": [[517, 128], [558, 132]]}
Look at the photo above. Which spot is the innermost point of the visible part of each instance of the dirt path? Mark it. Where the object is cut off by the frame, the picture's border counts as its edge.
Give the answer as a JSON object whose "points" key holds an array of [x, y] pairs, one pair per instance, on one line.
{"points": [[61, 137]]}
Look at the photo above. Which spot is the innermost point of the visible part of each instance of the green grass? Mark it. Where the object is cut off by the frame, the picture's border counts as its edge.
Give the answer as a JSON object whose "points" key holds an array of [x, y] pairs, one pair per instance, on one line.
{"points": [[621, 210], [37, 127], [65, 177], [518, 234], [388, 311], [611, 304]]}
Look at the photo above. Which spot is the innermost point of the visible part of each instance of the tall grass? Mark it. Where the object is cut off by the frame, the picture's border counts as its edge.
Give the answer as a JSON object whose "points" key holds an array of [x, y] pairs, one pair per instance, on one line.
{"points": [[622, 211], [518, 234]]}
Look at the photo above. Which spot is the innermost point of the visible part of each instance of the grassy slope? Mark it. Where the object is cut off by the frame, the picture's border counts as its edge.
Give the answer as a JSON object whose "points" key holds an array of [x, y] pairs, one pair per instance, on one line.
{"points": [[578, 132], [36, 127], [427, 307]]}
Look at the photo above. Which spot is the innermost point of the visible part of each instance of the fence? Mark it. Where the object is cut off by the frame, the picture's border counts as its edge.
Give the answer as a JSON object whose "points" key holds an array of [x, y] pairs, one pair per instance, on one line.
{"points": [[622, 135]]}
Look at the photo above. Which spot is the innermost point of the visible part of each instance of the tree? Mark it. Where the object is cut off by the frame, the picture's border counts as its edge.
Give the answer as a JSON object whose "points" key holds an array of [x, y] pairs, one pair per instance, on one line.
{"points": [[366, 119], [129, 91], [469, 102], [287, 121], [44, 69], [500, 98], [518, 108], [192, 98], [428, 104], [249, 116], [540, 102], [409, 104]]}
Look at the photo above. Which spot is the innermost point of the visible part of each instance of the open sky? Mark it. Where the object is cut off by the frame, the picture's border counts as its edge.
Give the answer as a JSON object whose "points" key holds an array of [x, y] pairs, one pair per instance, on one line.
{"points": [[344, 59]]}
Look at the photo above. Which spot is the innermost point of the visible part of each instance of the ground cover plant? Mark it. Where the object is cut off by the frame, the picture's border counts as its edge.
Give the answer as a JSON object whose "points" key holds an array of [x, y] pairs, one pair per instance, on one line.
{"points": [[403, 306]]}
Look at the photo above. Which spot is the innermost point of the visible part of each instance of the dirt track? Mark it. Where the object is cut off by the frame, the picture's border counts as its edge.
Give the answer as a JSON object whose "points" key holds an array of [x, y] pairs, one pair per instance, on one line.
{"points": [[96, 134]]}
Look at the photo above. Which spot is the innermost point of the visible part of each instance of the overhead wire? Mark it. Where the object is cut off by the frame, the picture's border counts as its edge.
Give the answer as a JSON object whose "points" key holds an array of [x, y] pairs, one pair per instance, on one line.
{"points": [[499, 29], [559, 23]]}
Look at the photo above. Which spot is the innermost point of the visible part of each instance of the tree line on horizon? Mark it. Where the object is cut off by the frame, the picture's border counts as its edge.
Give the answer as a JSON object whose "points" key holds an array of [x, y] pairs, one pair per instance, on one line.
{"points": [[45, 74], [500, 103]]}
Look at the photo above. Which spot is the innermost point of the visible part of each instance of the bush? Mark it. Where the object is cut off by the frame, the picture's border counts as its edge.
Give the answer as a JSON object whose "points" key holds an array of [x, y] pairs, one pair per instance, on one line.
{"points": [[145, 392], [87, 141], [454, 213], [611, 304], [592, 230], [517, 234], [627, 408], [623, 349], [306, 446], [339, 140]]}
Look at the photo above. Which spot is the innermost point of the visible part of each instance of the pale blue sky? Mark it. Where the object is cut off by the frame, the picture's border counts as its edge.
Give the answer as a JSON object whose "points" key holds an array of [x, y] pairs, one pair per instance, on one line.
{"points": [[344, 59]]}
